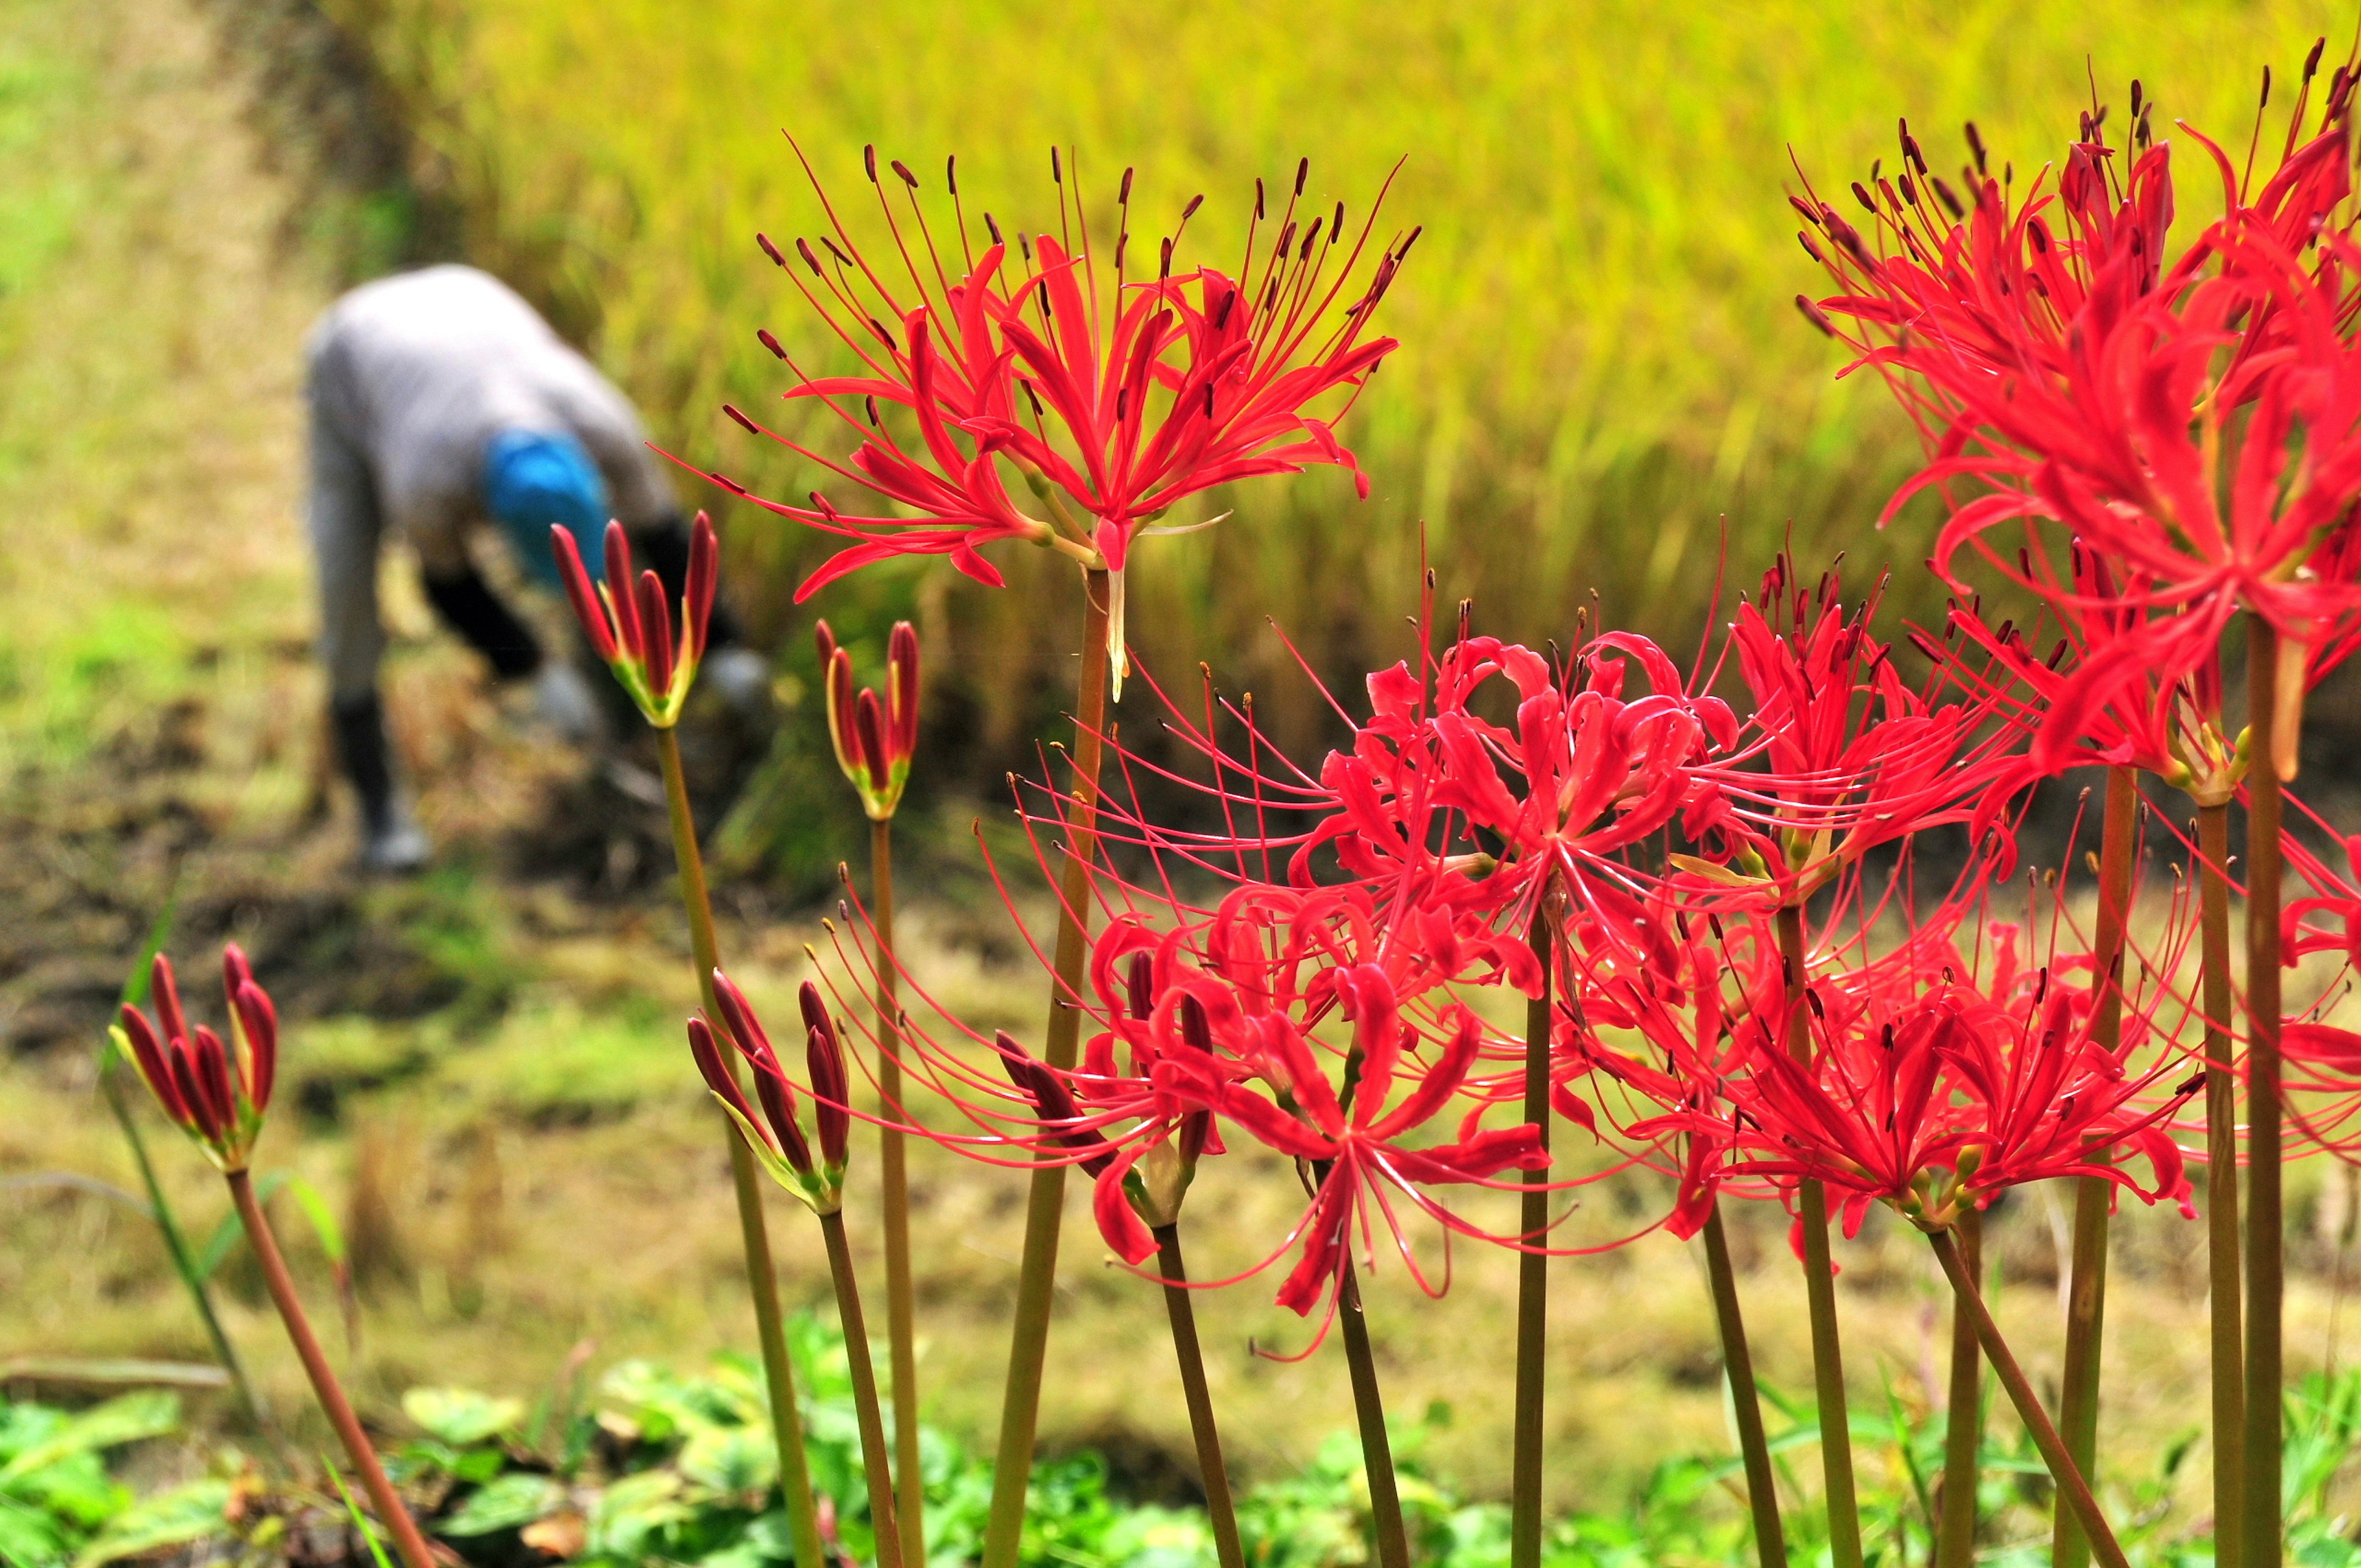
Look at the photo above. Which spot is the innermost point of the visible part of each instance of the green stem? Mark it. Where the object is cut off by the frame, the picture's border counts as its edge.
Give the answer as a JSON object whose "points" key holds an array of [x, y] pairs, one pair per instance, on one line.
{"points": [[2259, 1540], [1370, 1410], [1738, 1360], [1532, 1277], [339, 1410], [176, 1245], [1227, 1548], [754, 1237], [2086, 1299], [2222, 1187], [2069, 1481], [1964, 1428], [1820, 1287], [894, 1173], [1020, 1402], [873, 1464]]}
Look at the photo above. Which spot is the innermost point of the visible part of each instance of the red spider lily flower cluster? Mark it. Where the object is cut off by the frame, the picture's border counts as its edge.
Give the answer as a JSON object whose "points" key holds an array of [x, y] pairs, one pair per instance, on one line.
{"points": [[216, 1091], [631, 626], [775, 1136], [874, 740], [1934, 1089], [2194, 424], [1112, 396]]}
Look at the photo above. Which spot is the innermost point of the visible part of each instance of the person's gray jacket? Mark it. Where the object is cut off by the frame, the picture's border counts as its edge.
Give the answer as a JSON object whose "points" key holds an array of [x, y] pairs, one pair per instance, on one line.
{"points": [[409, 380]]}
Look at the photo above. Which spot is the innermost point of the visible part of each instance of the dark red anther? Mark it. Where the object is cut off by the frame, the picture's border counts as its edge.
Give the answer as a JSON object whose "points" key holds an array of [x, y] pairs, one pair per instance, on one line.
{"points": [[836, 251], [1976, 146], [620, 593], [1190, 210], [762, 335], [993, 229], [903, 171], [1056, 170], [1336, 223], [804, 249], [869, 161], [1310, 237], [1814, 315], [1258, 207], [747, 425], [704, 582], [770, 250], [902, 684], [258, 1020], [1809, 248], [1860, 193], [1302, 172], [1950, 202], [1163, 263], [1811, 215], [1123, 194], [1140, 985], [656, 627]]}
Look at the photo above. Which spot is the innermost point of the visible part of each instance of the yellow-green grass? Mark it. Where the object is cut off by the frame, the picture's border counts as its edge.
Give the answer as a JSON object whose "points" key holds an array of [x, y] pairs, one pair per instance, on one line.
{"points": [[1601, 355]]}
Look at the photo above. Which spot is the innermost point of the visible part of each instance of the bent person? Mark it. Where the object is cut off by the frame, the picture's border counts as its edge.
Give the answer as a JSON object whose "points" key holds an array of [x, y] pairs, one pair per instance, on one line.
{"points": [[441, 403]]}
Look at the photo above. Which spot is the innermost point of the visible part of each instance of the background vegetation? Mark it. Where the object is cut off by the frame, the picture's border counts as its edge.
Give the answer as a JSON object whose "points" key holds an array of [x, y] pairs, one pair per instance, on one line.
{"points": [[1602, 357]]}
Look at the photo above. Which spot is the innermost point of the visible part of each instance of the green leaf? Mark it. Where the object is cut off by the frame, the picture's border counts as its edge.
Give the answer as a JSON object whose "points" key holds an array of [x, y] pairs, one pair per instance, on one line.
{"points": [[169, 1518], [360, 1521], [509, 1502], [125, 1419], [462, 1417]]}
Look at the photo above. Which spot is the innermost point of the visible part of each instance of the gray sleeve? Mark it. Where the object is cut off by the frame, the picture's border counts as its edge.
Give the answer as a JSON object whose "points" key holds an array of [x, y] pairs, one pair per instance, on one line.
{"points": [[342, 518]]}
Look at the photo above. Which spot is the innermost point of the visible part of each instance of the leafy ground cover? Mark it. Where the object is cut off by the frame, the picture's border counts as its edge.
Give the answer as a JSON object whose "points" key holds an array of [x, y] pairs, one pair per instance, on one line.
{"points": [[653, 1464]]}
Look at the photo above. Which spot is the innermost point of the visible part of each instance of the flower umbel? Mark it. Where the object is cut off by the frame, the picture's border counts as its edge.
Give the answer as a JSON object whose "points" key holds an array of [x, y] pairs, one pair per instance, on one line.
{"points": [[630, 625], [776, 1136], [875, 738], [216, 1091]]}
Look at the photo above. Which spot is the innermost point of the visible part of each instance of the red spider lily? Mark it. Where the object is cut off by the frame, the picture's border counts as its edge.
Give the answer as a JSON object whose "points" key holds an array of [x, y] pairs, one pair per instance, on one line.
{"points": [[874, 740], [1554, 800], [632, 627], [1114, 397], [2095, 697], [777, 1139], [216, 1092], [1838, 756], [1934, 1084], [2198, 426]]}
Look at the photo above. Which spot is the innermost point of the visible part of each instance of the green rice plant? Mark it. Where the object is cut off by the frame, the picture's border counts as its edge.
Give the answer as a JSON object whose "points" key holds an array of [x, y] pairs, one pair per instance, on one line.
{"points": [[1602, 361]]}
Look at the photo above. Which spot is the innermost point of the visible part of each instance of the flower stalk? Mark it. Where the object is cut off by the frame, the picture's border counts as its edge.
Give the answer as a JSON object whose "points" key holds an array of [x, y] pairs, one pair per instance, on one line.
{"points": [[1819, 1282], [1532, 1274], [1020, 1405], [894, 1178], [391, 1512], [1369, 1411], [762, 1279], [1745, 1402], [2086, 1301], [1228, 1550], [865, 1391], [2259, 1540], [1964, 1425], [2028, 1406], [2229, 1373]]}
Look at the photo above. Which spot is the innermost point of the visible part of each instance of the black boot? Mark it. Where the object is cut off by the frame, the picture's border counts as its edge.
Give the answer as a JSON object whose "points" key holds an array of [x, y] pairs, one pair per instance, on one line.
{"points": [[390, 839]]}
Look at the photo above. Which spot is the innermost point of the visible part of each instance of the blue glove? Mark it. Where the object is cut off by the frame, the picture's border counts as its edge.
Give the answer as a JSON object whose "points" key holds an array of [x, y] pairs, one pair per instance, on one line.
{"points": [[534, 480]]}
